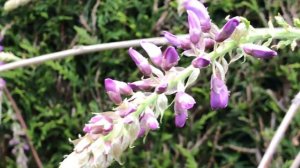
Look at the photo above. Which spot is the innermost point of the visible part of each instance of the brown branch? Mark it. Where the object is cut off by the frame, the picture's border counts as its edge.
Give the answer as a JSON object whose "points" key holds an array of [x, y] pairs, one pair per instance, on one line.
{"points": [[24, 126]]}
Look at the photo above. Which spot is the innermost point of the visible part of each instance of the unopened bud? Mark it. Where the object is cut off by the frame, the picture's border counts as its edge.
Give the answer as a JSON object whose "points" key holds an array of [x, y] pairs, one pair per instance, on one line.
{"points": [[170, 58], [154, 52], [219, 93], [200, 62], [259, 51], [227, 29], [140, 61], [194, 27]]}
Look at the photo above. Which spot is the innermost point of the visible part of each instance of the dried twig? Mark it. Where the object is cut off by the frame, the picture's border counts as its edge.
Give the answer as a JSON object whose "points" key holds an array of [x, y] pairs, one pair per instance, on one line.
{"points": [[203, 138], [24, 126], [94, 15], [280, 132], [242, 149]]}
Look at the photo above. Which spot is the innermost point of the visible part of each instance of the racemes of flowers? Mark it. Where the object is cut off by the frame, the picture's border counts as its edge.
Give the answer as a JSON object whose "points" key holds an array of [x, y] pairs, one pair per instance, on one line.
{"points": [[141, 104]]}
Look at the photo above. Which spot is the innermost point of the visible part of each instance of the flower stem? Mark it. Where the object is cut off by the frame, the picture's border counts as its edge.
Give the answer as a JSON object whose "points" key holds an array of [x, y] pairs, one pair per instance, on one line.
{"points": [[283, 34]]}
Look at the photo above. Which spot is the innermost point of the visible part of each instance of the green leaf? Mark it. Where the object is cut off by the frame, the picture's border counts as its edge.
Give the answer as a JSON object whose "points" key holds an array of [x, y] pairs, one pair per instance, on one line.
{"points": [[84, 37], [190, 160]]}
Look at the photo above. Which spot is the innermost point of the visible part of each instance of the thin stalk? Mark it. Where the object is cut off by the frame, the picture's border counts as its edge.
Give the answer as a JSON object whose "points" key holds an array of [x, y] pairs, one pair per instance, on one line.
{"points": [[24, 127], [79, 50], [280, 132]]}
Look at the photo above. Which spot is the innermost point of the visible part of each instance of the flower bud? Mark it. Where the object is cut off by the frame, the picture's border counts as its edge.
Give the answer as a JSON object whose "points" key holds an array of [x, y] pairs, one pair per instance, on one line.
{"points": [[161, 88], [140, 61], [199, 9], [200, 62], [183, 102], [172, 39], [124, 88], [125, 109], [219, 94], [154, 52], [99, 124], [112, 90], [142, 85], [227, 29], [142, 132], [194, 27], [209, 43], [170, 58], [259, 51], [181, 118], [183, 43], [148, 122], [2, 83]]}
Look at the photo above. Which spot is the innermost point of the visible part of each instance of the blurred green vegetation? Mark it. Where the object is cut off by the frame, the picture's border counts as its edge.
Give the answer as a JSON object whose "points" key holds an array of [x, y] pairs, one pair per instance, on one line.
{"points": [[58, 97]]}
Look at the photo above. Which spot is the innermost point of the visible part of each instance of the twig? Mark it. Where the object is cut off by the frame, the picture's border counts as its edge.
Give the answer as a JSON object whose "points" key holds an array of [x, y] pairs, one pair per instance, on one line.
{"points": [[24, 126], [296, 162], [79, 50], [242, 149], [203, 138], [280, 132], [94, 15]]}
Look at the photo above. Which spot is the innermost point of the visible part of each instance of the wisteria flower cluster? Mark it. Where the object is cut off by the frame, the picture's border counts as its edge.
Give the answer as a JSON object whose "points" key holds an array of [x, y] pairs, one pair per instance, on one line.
{"points": [[141, 104]]}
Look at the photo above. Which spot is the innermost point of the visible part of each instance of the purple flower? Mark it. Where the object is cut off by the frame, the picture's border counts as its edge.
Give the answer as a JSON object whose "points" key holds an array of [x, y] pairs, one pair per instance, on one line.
{"points": [[194, 27], [172, 39], [99, 124], [185, 43], [181, 118], [227, 29], [183, 102], [143, 85], [2, 83], [170, 58], [148, 122], [112, 90], [124, 88], [125, 109], [1, 47], [161, 88], [154, 52], [209, 43], [200, 62], [115, 88], [140, 61], [199, 9], [177, 42], [219, 94], [259, 51]]}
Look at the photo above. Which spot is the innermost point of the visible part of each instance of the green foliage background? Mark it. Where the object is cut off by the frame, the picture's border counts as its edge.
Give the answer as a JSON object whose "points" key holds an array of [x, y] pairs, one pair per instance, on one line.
{"points": [[58, 97]]}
